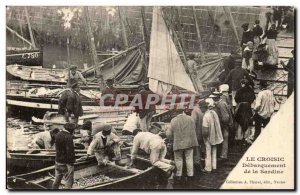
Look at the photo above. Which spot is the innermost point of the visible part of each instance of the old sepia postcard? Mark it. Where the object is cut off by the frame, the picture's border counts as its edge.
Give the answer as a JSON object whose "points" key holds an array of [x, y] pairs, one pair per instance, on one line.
{"points": [[150, 97]]}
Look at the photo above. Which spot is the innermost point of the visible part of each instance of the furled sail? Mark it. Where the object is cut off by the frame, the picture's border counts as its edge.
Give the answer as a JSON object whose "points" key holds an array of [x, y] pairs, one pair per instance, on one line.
{"points": [[165, 66]]}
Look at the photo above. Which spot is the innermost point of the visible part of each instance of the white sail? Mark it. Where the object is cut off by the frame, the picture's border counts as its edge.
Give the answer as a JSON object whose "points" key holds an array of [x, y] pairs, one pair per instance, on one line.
{"points": [[165, 66]]}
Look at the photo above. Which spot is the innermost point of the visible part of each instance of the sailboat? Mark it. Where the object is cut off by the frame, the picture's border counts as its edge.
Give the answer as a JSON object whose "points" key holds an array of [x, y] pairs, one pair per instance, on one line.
{"points": [[166, 69]]}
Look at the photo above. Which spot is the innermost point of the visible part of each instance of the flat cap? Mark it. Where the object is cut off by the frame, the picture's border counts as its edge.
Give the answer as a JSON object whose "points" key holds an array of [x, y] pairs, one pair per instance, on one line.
{"points": [[106, 127], [70, 126], [245, 25]]}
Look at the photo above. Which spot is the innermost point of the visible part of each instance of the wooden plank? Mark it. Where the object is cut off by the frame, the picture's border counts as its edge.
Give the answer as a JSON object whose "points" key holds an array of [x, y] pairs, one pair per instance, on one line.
{"points": [[18, 35]]}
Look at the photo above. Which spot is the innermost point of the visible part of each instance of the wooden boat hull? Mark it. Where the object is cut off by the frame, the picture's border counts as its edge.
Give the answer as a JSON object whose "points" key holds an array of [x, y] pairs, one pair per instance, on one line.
{"points": [[121, 177], [27, 57], [19, 161], [38, 106], [37, 74]]}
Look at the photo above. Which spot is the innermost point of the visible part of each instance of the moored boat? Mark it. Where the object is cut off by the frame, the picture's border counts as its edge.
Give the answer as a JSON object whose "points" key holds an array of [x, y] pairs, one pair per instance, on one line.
{"points": [[37, 74], [25, 57], [89, 176]]}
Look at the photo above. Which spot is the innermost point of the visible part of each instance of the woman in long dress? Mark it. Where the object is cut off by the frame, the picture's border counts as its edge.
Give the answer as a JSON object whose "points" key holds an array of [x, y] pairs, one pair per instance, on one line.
{"points": [[243, 114], [271, 35]]}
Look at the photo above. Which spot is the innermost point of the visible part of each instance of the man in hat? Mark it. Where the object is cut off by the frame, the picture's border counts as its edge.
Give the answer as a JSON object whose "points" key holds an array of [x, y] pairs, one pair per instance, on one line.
{"points": [[234, 78], [65, 156], [92, 129], [154, 145], [70, 104], [224, 90], [145, 114], [226, 121], [212, 134], [291, 73], [264, 107], [75, 76], [182, 133], [97, 127], [105, 146], [247, 36], [155, 128], [44, 140]]}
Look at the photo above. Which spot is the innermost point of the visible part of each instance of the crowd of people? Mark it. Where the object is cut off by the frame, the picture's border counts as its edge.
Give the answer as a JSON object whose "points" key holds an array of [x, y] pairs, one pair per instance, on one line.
{"points": [[198, 138], [204, 133]]}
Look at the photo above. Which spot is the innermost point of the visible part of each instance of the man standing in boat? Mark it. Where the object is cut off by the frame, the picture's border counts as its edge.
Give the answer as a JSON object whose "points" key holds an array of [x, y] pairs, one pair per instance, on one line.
{"points": [[106, 146], [65, 156], [74, 76], [70, 104]]}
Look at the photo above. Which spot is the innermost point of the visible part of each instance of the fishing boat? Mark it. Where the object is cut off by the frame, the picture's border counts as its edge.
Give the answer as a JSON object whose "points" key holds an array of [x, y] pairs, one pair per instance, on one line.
{"points": [[32, 159], [25, 57], [37, 74], [115, 118], [89, 176]]}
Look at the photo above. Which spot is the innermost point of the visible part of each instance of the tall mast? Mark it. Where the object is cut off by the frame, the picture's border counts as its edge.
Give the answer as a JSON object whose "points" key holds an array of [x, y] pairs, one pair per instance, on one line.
{"points": [[29, 28], [91, 42], [199, 36], [125, 39], [230, 17], [144, 30], [90, 35]]}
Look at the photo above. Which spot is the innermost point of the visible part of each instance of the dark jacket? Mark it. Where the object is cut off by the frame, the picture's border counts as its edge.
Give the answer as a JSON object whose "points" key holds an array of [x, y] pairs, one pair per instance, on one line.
{"points": [[271, 34], [245, 94], [234, 77], [70, 101], [246, 37], [257, 31], [291, 76], [229, 63], [244, 97], [64, 148]]}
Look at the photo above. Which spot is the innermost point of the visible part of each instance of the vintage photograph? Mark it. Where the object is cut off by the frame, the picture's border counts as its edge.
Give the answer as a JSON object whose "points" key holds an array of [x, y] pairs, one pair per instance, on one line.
{"points": [[150, 97]]}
